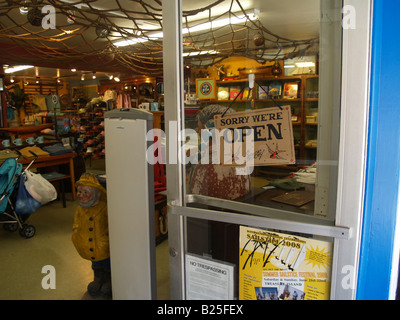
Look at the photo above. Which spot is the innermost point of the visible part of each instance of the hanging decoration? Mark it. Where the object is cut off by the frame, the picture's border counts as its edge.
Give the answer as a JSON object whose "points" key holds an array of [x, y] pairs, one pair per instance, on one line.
{"points": [[121, 35]]}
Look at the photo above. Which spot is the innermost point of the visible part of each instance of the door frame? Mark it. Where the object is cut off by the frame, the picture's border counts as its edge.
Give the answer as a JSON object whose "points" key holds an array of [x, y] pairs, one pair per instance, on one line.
{"points": [[352, 152]]}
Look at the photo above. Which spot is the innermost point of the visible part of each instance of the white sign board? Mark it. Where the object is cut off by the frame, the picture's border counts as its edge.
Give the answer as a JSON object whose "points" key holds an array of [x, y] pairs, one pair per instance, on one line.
{"points": [[270, 132], [208, 279]]}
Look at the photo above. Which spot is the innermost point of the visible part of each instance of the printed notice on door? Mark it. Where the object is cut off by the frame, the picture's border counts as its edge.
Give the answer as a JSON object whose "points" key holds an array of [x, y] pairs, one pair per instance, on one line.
{"points": [[278, 266], [207, 279]]}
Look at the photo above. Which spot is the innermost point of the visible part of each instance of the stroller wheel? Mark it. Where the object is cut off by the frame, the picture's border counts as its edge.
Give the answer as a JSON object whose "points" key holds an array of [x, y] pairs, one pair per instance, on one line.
{"points": [[10, 227], [27, 231]]}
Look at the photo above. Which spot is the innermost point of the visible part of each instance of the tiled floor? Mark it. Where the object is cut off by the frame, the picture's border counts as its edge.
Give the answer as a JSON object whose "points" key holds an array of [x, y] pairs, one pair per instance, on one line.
{"points": [[22, 260]]}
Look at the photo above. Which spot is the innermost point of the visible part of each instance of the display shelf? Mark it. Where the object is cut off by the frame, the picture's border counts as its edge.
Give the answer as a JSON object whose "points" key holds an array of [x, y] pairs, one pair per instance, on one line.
{"points": [[304, 104]]}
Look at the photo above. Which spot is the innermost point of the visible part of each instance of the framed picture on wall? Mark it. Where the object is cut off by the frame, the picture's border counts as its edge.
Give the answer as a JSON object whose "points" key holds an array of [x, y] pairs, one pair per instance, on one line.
{"points": [[206, 88]]}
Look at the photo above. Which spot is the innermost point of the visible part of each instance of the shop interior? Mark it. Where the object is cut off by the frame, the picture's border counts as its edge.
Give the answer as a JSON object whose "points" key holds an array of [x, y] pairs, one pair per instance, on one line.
{"points": [[58, 83]]}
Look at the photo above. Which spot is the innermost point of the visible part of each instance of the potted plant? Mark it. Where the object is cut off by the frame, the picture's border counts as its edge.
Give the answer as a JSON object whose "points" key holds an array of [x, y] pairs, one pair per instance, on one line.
{"points": [[18, 97]]}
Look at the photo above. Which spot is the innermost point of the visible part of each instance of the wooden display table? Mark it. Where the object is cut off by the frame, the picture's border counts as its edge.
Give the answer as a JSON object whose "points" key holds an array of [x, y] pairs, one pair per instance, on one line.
{"points": [[25, 132], [51, 161]]}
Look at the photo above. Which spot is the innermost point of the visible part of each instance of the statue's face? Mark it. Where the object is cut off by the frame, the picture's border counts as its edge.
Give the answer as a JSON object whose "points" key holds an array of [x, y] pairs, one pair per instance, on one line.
{"points": [[87, 196]]}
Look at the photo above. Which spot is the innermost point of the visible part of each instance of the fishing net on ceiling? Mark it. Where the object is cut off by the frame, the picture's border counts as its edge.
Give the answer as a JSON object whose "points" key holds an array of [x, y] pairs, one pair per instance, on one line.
{"points": [[116, 35]]}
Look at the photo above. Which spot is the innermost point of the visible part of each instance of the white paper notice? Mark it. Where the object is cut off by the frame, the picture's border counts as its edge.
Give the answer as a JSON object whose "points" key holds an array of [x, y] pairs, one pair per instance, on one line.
{"points": [[207, 279]]}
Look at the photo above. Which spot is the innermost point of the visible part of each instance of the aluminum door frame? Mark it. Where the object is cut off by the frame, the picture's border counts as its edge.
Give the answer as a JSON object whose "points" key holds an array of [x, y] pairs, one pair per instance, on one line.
{"points": [[356, 48]]}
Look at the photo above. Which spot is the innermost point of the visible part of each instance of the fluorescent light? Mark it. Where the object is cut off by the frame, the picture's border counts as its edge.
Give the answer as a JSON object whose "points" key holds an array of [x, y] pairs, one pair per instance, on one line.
{"points": [[199, 53], [17, 68], [219, 23], [124, 43], [305, 64], [290, 66], [200, 27]]}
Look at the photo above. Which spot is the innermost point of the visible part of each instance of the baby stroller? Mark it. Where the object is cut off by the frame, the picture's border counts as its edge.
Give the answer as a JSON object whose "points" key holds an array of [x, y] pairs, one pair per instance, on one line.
{"points": [[10, 173]]}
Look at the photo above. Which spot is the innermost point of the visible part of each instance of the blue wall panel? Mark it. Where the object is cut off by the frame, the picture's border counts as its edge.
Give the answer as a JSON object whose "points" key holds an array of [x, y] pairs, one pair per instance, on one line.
{"points": [[383, 162]]}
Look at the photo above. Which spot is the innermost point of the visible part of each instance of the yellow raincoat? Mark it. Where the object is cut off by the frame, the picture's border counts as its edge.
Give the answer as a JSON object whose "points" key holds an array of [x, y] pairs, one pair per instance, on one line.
{"points": [[90, 227]]}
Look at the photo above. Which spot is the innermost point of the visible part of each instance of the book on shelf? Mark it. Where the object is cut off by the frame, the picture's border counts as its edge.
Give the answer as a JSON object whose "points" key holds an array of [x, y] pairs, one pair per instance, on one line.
{"points": [[234, 91], [290, 90]]}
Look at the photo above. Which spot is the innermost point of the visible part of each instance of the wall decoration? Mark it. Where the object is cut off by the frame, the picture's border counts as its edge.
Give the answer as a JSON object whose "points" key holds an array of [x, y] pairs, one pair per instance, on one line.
{"points": [[206, 88]]}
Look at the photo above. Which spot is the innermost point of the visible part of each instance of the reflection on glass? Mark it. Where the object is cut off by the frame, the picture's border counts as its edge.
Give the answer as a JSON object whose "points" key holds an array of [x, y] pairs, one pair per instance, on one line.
{"points": [[268, 62]]}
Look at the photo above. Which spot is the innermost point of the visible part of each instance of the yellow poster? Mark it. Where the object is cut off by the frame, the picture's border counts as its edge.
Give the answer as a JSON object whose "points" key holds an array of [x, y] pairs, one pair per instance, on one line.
{"points": [[277, 266]]}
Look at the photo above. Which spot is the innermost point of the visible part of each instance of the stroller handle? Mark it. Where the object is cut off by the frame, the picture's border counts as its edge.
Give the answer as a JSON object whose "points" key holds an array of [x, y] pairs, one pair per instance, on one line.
{"points": [[34, 154]]}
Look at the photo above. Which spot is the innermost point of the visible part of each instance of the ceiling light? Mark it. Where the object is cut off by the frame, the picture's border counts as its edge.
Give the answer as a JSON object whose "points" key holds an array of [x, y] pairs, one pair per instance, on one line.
{"points": [[94, 75], [12, 80], [220, 23], [23, 10], [73, 69], [199, 53], [117, 79], [17, 68], [110, 77], [305, 64], [82, 77], [37, 80], [124, 43], [200, 27]]}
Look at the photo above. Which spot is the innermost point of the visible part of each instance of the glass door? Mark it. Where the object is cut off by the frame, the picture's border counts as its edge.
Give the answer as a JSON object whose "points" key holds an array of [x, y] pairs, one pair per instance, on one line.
{"points": [[265, 148]]}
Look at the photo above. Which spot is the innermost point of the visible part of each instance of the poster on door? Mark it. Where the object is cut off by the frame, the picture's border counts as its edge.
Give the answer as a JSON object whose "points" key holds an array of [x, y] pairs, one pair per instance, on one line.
{"points": [[278, 266], [257, 137]]}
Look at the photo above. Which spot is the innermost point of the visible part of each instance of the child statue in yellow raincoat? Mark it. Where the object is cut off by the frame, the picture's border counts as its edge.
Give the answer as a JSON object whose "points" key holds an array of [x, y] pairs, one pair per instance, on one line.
{"points": [[90, 228]]}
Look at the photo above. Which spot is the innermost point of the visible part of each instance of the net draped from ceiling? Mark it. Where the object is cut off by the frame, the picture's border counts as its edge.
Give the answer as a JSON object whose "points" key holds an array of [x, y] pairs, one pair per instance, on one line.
{"points": [[87, 33]]}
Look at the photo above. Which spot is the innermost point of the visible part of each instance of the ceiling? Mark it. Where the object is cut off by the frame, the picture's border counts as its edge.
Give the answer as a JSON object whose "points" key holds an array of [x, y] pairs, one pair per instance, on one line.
{"points": [[86, 31]]}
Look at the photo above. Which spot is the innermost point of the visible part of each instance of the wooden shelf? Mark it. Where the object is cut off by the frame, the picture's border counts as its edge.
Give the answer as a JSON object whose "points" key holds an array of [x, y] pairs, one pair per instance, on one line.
{"points": [[300, 103]]}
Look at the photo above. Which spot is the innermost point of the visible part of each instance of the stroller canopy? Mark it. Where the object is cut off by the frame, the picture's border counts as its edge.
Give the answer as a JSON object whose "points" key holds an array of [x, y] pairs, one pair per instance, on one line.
{"points": [[9, 173]]}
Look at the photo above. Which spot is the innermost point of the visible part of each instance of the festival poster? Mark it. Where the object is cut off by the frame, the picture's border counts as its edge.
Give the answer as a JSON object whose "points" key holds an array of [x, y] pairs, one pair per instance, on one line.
{"points": [[278, 266], [269, 131]]}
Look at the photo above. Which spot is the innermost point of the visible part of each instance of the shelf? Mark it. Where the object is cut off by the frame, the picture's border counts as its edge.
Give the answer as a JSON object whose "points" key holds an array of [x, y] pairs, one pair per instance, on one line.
{"points": [[307, 97]]}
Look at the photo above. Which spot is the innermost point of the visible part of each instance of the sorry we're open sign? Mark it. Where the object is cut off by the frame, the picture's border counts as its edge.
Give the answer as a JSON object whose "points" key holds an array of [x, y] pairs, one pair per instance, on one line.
{"points": [[259, 137]]}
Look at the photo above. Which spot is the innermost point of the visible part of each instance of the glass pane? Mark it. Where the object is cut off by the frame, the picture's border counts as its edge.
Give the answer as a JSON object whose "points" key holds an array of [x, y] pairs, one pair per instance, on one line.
{"points": [[262, 102], [268, 72]]}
